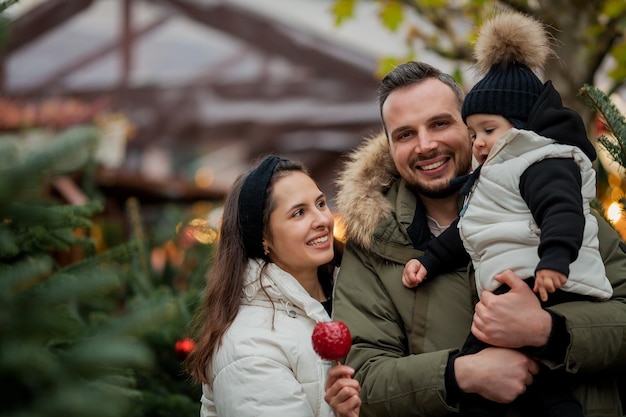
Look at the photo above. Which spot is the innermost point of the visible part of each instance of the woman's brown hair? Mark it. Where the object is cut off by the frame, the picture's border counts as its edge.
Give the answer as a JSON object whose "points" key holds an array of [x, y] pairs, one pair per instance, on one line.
{"points": [[225, 281]]}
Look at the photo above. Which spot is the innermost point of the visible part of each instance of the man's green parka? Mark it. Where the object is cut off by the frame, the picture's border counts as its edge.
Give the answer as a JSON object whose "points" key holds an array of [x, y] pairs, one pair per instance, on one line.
{"points": [[402, 338]]}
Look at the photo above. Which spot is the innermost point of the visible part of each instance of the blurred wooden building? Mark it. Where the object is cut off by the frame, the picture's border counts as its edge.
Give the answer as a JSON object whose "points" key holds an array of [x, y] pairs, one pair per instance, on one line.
{"points": [[190, 91]]}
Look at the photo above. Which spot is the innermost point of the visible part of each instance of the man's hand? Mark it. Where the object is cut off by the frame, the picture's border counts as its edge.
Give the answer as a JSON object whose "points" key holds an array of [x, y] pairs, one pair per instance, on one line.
{"points": [[342, 392], [497, 374], [414, 273], [514, 319]]}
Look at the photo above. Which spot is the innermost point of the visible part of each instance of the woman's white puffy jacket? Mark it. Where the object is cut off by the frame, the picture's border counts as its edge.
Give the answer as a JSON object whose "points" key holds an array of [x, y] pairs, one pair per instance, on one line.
{"points": [[266, 365]]}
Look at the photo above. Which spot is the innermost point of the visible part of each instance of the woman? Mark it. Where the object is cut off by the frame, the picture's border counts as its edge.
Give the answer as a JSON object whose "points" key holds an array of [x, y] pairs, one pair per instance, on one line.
{"points": [[270, 283]]}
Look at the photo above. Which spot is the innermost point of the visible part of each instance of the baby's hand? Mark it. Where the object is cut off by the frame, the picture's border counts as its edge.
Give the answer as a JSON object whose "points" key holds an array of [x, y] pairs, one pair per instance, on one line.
{"points": [[414, 273], [547, 280]]}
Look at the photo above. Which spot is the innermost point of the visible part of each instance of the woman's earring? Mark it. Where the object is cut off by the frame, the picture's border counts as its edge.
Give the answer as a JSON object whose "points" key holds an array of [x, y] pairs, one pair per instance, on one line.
{"points": [[266, 250]]}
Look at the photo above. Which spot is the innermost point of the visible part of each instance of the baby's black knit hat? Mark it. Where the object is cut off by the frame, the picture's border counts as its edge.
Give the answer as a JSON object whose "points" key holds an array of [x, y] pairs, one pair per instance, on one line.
{"points": [[509, 47], [508, 90]]}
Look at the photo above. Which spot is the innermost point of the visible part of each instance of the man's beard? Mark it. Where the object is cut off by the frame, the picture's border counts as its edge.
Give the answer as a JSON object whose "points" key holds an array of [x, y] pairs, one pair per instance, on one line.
{"points": [[443, 191]]}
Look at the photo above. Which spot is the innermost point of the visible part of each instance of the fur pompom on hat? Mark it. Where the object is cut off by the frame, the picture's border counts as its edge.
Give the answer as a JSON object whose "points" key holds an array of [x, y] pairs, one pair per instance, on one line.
{"points": [[509, 49]]}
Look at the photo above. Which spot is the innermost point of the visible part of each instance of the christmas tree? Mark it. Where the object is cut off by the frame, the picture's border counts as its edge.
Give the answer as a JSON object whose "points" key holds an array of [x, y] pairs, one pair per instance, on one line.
{"points": [[69, 346], [88, 326]]}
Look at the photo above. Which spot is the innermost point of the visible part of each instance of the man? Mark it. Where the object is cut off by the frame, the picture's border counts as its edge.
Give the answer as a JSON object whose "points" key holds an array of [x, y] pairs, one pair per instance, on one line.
{"points": [[394, 195]]}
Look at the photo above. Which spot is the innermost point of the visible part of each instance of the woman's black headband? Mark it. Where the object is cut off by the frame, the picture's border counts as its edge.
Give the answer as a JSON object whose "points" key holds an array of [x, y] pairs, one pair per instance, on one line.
{"points": [[251, 201]]}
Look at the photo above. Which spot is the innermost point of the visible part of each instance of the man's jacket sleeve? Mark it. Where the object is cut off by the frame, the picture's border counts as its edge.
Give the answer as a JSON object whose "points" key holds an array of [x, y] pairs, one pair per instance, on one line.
{"points": [[598, 329]]}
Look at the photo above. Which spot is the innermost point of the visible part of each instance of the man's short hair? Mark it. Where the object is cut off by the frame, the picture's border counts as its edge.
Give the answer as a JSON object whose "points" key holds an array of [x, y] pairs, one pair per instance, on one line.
{"points": [[410, 73]]}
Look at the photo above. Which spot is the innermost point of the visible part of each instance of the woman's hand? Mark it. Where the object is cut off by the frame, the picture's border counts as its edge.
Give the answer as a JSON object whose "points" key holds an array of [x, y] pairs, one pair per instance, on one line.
{"points": [[342, 392]]}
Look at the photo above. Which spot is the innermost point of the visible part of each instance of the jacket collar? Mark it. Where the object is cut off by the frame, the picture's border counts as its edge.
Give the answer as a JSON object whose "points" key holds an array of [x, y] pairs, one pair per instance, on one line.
{"points": [[284, 291]]}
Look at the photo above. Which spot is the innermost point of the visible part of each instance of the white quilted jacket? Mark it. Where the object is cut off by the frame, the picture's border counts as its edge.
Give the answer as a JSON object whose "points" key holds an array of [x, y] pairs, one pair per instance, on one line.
{"points": [[262, 370], [498, 229]]}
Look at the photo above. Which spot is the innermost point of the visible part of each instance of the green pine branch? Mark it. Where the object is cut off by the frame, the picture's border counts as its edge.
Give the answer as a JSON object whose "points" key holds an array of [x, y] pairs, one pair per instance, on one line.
{"points": [[32, 228], [615, 123], [613, 120], [23, 274], [23, 174], [77, 340], [73, 338]]}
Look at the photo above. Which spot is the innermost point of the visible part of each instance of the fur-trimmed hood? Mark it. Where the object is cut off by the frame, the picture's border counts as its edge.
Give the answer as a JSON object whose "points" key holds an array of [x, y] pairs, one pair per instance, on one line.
{"points": [[360, 201]]}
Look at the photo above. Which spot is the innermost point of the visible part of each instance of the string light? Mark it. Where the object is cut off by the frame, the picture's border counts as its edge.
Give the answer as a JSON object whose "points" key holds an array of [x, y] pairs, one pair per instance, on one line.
{"points": [[614, 212]]}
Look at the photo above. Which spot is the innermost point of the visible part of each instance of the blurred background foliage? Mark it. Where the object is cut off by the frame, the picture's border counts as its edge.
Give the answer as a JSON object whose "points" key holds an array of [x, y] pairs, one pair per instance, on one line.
{"points": [[94, 305], [88, 327], [589, 39]]}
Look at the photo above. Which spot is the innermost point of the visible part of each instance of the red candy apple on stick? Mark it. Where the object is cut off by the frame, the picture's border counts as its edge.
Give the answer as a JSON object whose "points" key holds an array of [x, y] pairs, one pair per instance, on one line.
{"points": [[331, 340]]}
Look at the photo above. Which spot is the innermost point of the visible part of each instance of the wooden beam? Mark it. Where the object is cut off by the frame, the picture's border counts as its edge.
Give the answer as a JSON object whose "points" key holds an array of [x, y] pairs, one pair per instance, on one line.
{"points": [[272, 37], [87, 59], [126, 39], [257, 135], [41, 19], [66, 186], [275, 90], [120, 184]]}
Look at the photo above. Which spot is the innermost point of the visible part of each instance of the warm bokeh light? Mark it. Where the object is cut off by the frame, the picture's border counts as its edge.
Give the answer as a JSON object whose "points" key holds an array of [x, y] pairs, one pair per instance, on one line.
{"points": [[615, 180], [340, 229], [174, 255], [616, 193], [204, 177], [197, 230], [614, 212], [202, 231]]}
